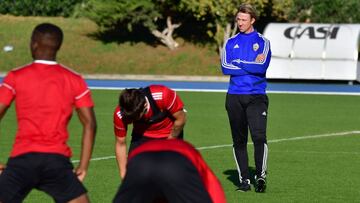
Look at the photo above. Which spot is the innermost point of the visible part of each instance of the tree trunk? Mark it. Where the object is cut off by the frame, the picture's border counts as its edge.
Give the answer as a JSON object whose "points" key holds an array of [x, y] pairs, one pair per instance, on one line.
{"points": [[166, 35]]}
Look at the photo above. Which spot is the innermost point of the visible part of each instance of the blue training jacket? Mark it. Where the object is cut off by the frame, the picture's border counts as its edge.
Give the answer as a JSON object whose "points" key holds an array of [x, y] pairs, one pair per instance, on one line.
{"points": [[247, 75]]}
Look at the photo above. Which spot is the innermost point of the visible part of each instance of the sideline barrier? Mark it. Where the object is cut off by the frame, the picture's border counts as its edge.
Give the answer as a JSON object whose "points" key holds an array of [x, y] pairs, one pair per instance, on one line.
{"points": [[314, 51]]}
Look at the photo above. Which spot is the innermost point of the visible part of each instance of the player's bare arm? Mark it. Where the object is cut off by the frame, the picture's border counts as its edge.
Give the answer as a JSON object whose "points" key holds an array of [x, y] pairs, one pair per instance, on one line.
{"points": [[3, 109], [2, 167], [121, 156], [88, 121], [179, 123]]}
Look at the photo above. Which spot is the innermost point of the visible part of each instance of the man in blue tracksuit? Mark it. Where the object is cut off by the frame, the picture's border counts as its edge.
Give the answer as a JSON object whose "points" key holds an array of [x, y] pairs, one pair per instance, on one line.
{"points": [[245, 58]]}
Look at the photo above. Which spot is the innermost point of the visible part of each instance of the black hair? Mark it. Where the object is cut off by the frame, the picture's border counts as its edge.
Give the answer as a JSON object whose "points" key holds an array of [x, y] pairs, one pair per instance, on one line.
{"points": [[132, 103], [49, 34]]}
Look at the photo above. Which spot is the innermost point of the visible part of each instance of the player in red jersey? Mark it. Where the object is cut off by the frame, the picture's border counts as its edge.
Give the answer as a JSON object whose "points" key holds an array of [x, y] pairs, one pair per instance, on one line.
{"points": [[168, 171], [45, 94], [156, 112]]}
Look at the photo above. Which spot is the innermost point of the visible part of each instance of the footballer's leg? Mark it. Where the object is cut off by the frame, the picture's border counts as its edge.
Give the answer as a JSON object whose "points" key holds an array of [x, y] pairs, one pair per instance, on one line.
{"points": [[59, 181], [257, 117], [17, 179], [239, 132]]}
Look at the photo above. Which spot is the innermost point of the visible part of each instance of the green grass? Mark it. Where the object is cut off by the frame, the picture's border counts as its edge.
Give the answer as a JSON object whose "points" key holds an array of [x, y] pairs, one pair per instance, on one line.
{"points": [[85, 53], [307, 170]]}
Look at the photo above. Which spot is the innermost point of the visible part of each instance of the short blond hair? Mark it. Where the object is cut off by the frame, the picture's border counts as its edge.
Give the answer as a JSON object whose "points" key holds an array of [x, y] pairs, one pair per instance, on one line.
{"points": [[249, 9]]}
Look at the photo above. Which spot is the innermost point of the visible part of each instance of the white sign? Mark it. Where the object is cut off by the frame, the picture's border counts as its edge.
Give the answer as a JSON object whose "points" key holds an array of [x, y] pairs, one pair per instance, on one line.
{"points": [[314, 51]]}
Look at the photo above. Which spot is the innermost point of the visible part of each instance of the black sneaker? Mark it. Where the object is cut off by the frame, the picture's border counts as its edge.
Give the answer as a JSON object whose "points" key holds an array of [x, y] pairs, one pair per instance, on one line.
{"points": [[260, 185], [244, 186]]}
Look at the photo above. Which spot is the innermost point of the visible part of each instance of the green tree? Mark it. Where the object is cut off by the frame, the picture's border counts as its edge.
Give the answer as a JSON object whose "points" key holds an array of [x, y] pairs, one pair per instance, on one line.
{"points": [[38, 8], [280, 9], [325, 11], [155, 15], [222, 14]]}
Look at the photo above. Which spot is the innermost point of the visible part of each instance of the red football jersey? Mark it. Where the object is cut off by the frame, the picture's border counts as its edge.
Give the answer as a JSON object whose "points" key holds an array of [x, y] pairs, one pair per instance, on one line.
{"points": [[45, 94], [166, 100], [184, 148]]}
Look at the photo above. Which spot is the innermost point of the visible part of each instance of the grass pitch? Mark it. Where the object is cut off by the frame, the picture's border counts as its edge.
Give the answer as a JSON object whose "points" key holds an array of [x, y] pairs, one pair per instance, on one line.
{"points": [[314, 147]]}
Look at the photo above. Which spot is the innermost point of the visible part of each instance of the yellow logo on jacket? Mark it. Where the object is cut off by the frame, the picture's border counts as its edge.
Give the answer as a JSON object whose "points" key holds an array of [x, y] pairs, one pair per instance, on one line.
{"points": [[256, 46]]}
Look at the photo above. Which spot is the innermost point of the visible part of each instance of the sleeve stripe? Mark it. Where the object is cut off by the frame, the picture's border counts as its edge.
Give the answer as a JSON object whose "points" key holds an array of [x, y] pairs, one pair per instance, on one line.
{"points": [[172, 103], [223, 57], [82, 94], [119, 128], [223, 60], [9, 87]]}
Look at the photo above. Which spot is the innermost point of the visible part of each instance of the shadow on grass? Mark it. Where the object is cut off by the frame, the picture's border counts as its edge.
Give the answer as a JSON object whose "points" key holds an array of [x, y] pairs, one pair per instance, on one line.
{"points": [[121, 35], [233, 176], [189, 32]]}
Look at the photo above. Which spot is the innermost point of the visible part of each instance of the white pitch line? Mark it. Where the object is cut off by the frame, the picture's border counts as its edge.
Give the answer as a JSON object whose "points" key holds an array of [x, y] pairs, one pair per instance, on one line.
{"points": [[316, 152], [317, 136], [291, 139], [314, 92], [225, 90], [270, 141]]}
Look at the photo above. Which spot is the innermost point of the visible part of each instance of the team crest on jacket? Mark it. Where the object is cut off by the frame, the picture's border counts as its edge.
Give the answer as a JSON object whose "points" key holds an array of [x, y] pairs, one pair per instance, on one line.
{"points": [[256, 46]]}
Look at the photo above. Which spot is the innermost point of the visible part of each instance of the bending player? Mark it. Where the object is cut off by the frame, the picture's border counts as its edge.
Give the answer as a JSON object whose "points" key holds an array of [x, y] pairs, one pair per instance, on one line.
{"points": [[156, 112]]}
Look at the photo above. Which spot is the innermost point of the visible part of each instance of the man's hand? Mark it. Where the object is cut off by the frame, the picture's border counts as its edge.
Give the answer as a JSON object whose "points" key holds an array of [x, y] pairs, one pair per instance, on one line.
{"points": [[260, 58], [122, 174], [171, 137], [80, 173], [121, 155], [179, 123], [2, 167]]}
